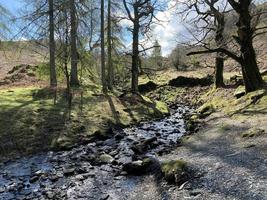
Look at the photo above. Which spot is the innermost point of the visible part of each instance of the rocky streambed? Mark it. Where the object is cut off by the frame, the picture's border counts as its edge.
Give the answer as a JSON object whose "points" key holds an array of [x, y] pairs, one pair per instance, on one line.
{"points": [[96, 170]]}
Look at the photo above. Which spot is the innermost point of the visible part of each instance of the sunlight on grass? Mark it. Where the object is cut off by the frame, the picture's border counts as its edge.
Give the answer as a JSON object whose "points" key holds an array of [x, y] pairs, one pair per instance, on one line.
{"points": [[30, 121]]}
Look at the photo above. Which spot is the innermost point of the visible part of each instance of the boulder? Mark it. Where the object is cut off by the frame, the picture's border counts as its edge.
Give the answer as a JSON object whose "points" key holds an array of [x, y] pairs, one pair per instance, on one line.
{"points": [[106, 158], [143, 146], [182, 81], [68, 171], [141, 167], [147, 87], [205, 110], [174, 171]]}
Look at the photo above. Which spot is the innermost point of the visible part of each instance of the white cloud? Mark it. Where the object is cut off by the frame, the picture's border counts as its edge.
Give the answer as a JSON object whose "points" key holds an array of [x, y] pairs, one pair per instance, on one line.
{"points": [[168, 30]]}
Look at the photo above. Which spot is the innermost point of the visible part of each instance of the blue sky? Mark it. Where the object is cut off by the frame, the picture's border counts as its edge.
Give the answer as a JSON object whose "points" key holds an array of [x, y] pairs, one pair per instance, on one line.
{"points": [[12, 5]]}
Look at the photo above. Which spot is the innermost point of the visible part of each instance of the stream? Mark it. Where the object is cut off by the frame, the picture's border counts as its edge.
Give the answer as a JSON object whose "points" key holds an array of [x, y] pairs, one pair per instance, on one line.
{"points": [[94, 171]]}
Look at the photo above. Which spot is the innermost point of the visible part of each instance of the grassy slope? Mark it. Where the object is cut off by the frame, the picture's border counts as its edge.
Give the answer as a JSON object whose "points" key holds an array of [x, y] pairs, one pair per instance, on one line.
{"points": [[30, 122]]}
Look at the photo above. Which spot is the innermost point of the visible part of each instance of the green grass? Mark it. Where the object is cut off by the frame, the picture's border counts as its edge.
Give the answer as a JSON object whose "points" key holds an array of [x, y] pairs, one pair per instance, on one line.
{"points": [[225, 101], [30, 121]]}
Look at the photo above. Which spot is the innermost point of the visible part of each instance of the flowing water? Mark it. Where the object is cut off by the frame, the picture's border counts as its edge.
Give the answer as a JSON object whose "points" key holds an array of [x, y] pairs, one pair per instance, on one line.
{"points": [[82, 174]]}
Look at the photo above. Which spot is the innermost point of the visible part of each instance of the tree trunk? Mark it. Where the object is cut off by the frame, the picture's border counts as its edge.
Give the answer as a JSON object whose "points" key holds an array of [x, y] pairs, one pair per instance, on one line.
{"points": [[135, 53], [74, 81], [220, 56], [103, 68], [219, 71], [251, 74], [52, 46], [110, 66]]}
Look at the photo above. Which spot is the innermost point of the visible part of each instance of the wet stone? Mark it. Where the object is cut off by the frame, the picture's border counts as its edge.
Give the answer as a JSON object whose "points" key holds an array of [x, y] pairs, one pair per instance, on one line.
{"points": [[53, 178], [68, 171], [2, 190], [104, 197], [80, 177], [34, 179], [106, 158]]}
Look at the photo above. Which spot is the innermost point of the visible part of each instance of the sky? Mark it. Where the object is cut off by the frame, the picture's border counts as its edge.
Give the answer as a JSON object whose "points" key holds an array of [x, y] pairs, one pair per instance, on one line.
{"points": [[12, 5], [166, 33], [169, 32]]}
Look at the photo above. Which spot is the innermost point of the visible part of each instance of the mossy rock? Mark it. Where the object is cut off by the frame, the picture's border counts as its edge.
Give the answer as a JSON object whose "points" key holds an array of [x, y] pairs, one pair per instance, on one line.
{"points": [[181, 81], [62, 144], [194, 117], [105, 158], [253, 132], [174, 171], [240, 92], [206, 110]]}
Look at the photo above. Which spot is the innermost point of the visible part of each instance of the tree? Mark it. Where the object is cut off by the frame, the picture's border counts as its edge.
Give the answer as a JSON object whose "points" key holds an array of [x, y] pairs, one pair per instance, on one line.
{"points": [[209, 25], [244, 38], [74, 81], [52, 46], [109, 41], [140, 13], [103, 68], [245, 32]]}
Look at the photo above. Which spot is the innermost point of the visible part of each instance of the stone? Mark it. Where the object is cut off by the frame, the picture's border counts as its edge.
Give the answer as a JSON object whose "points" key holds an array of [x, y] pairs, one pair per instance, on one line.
{"points": [[80, 177], [104, 197], [135, 168], [144, 145], [34, 179], [68, 171], [191, 82], [106, 158], [50, 195], [125, 159], [147, 87], [53, 178], [90, 174], [113, 153], [11, 187], [239, 92], [2, 190], [174, 171]]}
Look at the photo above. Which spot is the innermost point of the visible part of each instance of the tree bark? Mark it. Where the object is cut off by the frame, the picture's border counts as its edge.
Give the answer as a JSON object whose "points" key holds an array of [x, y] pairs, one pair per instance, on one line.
{"points": [[74, 81], [250, 69], [135, 56], [109, 35], [219, 71], [52, 45], [103, 68], [219, 38]]}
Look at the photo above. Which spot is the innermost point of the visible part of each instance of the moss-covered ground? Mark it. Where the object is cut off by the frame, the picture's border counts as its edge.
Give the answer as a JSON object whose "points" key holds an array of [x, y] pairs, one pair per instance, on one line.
{"points": [[32, 121]]}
